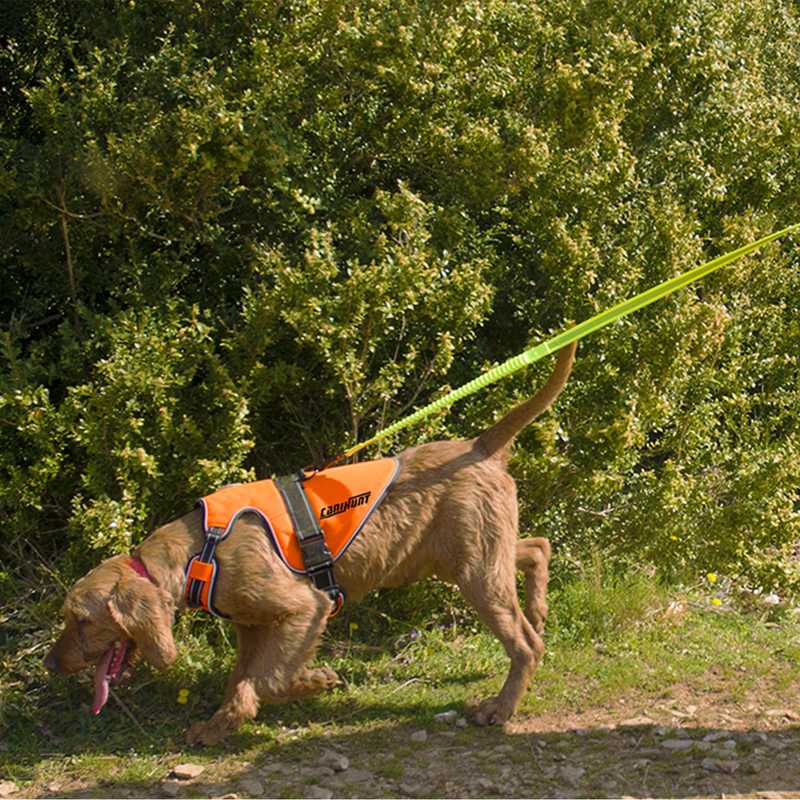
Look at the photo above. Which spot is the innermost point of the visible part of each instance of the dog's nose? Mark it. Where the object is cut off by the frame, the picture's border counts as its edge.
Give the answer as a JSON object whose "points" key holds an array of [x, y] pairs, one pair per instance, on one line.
{"points": [[51, 662]]}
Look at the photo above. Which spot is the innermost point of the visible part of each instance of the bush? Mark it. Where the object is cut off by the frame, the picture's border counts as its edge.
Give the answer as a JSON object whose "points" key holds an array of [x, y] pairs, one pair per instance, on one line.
{"points": [[239, 238]]}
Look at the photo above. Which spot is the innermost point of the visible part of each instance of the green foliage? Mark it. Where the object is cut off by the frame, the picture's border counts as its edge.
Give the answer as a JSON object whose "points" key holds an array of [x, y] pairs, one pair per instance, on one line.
{"points": [[239, 236], [596, 604], [159, 422]]}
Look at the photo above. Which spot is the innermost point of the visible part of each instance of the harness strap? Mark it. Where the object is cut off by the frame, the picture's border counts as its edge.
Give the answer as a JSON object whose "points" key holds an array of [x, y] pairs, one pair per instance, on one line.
{"points": [[317, 558], [201, 574]]}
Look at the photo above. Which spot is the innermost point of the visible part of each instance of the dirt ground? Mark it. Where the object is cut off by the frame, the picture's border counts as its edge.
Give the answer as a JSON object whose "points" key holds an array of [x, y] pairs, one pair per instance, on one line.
{"points": [[682, 743]]}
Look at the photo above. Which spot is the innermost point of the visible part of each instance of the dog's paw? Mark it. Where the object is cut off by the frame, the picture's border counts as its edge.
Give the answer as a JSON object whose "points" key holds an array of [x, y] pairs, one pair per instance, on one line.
{"points": [[206, 733], [490, 712], [313, 681], [326, 678]]}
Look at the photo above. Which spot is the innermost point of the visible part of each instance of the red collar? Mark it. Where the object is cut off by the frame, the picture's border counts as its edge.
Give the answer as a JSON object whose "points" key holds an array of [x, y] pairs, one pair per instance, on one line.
{"points": [[139, 568]]}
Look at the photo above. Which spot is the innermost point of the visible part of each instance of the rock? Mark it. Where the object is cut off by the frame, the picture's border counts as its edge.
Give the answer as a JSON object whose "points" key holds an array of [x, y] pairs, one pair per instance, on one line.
{"points": [[717, 765], [728, 744], [677, 745], [488, 786], [549, 772], [7, 788], [356, 776], [783, 712], [316, 772], [419, 736], [572, 775], [446, 716], [775, 744], [715, 736], [252, 786], [336, 761], [188, 771], [602, 730], [171, 788], [461, 722], [322, 772], [318, 793], [636, 722], [413, 789]]}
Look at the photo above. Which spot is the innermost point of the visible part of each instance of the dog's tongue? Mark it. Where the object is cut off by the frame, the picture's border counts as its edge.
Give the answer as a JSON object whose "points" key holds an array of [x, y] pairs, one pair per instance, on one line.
{"points": [[109, 671], [101, 680]]}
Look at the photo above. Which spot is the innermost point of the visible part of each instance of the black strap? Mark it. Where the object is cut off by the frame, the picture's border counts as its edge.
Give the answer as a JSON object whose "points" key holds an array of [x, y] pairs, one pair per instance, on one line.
{"points": [[213, 536], [317, 559]]}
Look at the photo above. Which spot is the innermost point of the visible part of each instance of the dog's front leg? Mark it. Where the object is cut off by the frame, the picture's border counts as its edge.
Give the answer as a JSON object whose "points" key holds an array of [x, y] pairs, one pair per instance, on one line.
{"points": [[270, 666]]}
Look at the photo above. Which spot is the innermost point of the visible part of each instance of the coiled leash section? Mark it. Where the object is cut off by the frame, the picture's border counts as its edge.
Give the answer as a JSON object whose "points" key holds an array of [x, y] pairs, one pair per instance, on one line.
{"points": [[561, 340]]}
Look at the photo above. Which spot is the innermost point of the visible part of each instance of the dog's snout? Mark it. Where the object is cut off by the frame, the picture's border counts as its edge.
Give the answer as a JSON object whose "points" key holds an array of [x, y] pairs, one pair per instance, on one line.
{"points": [[51, 662]]}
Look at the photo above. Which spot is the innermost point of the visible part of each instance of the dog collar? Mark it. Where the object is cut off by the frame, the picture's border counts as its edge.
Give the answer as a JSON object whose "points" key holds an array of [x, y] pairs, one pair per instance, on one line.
{"points": [[139, 568]]}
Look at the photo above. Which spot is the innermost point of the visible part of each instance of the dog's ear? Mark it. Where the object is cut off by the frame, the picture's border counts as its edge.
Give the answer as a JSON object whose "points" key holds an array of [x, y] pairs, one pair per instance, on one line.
{"points": [[146, 613]]}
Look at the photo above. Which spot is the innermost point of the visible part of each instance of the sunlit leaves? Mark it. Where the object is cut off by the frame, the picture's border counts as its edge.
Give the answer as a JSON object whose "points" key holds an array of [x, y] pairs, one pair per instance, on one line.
{"points": [[292, 223]]}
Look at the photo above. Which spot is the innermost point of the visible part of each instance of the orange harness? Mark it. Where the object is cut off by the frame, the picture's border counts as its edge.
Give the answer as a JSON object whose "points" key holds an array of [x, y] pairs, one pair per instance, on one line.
{"points": [[339, 502]]}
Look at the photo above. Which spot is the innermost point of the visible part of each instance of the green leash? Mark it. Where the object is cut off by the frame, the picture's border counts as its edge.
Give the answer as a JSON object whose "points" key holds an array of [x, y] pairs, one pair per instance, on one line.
{"points": [[567, 337]]}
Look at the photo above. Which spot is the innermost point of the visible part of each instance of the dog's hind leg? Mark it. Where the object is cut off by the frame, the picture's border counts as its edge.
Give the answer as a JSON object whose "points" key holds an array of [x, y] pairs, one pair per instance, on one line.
{"points": [[525, 650], [533, 558], [271, 667], [493, 593]]}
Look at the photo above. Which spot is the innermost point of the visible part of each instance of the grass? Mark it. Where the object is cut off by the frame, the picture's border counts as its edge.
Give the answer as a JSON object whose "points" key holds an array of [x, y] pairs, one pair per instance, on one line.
{"points": [[608, 634]]}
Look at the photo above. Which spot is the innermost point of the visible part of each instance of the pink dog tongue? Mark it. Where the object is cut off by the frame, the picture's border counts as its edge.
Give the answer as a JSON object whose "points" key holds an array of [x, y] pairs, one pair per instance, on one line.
{"points": [[101, 680], [108, 670]]}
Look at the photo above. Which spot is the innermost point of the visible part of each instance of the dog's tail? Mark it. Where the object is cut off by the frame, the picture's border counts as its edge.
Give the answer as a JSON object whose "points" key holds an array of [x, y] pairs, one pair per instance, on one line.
{"points": [[495, 440]]}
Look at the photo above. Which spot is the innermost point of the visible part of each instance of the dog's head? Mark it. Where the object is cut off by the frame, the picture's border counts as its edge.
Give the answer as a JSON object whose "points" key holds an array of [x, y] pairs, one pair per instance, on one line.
{"points": [[113, 617]]}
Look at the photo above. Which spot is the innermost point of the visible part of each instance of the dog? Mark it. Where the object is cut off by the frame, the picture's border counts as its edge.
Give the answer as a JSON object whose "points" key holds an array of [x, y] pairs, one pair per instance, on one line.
{"points": [[451, 512]]}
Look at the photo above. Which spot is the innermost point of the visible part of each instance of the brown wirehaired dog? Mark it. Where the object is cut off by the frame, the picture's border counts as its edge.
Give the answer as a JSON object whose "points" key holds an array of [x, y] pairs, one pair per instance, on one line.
{"points": [[451, 512]]}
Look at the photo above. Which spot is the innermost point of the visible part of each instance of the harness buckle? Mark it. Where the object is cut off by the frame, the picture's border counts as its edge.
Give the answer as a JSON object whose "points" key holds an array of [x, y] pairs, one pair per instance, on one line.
{"points": [[201, 573]]}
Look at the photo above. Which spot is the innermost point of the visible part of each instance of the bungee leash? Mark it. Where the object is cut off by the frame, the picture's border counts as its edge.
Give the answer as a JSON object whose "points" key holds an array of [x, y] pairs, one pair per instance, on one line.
{"points": [[556, 343]]}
